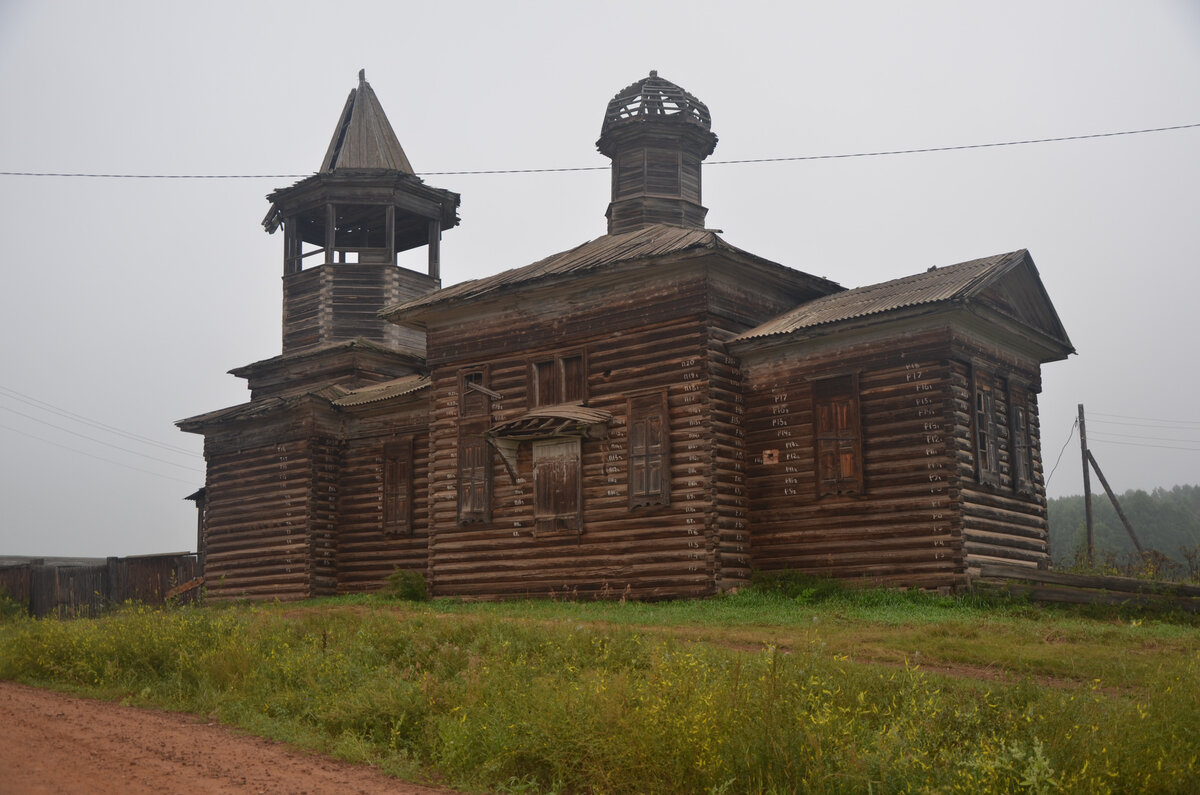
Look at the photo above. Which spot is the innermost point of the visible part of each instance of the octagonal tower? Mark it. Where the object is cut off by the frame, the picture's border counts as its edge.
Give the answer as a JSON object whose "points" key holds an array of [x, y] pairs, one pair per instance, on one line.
{"points": [[656, 134]]}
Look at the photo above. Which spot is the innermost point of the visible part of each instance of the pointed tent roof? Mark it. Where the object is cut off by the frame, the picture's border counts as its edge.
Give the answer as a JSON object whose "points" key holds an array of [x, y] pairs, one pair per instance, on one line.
{"points": [[364, 138], [1005, 283]]}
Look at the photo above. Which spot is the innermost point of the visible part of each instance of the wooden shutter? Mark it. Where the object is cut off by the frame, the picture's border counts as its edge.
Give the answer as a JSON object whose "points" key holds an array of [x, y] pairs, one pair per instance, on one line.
{"points": [[474, 474], [838, 440], [397, 487], [557, 485], [649, 438], [1022, 455]]}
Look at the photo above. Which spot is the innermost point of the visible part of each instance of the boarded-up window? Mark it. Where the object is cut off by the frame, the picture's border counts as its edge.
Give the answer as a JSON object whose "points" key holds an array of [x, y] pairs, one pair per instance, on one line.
{"points": [[397, 487], [474, 397], [649, 442], [562, 379], [1021, 452], [557, 486], [474, 474], [837, 435], [987, 446]]}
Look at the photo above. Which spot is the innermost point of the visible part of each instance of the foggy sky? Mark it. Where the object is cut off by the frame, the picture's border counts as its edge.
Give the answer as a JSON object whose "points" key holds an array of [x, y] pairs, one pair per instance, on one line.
{"points": [[126, 301]]}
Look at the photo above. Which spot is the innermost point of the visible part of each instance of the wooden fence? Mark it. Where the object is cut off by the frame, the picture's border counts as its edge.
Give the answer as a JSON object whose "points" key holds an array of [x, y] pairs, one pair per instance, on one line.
{"points": [[75, 589], [1049, 586]]}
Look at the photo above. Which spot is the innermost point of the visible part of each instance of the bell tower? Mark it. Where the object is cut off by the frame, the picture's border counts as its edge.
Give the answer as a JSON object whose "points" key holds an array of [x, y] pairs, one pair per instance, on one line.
{"points": [[656, 135], [343, 228]]}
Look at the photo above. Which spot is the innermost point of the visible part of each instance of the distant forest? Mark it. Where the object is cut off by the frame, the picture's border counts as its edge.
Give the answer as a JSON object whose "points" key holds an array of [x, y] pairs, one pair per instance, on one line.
{"points": [[1165, 520]]}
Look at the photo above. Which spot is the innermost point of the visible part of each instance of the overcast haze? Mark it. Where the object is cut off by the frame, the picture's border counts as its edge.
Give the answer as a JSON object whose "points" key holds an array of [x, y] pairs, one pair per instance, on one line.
{"points": [[125, 301]]}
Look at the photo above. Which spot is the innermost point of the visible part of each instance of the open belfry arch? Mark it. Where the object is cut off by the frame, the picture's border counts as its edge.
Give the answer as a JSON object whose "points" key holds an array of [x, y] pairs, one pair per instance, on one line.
{"points": [[654, 413]]}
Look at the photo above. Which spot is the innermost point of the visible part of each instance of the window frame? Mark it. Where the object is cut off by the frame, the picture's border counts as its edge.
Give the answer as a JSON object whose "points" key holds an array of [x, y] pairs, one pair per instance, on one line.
{"points": [[564, 389], [986, 433], [653, 461], [1021, 441], [474, 396], [837, 397]]}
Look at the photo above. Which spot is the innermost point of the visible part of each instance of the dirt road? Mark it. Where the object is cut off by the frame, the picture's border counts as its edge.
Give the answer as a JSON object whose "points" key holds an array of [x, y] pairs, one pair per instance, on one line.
{"points": [[51, 743]]}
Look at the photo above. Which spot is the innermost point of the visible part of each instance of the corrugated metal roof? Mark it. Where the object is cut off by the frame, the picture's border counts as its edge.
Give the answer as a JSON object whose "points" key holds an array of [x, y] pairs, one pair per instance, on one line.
{"points": [[655, 240], [383, 391], [933, 286]]}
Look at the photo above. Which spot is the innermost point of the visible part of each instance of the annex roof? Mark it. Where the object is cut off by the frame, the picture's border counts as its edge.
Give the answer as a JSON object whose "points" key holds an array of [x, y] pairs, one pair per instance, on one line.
{"points": [[364, 137], [1008, 283], [654, 240], [377, 393]]}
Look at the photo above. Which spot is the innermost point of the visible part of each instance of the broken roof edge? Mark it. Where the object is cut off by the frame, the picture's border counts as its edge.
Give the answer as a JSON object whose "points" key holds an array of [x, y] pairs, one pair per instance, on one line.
{"points": [[652, 242]]}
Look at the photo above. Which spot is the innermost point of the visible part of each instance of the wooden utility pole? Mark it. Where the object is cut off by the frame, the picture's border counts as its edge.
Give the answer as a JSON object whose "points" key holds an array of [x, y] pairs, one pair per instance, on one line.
{"points": [[1087, 491]]}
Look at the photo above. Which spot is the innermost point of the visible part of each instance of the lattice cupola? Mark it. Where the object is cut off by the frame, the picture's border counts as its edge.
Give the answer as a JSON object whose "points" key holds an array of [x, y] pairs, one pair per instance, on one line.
{"points": [[656, 134], [344, 226]]}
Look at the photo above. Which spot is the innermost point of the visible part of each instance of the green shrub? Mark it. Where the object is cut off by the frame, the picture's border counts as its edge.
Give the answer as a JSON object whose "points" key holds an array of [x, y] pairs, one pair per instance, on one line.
{"points": [[406, 584]]}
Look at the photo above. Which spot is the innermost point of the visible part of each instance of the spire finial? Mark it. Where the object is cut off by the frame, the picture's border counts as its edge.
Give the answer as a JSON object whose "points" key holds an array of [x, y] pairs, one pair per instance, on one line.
{"points": [[362, 75], [654, 73]]}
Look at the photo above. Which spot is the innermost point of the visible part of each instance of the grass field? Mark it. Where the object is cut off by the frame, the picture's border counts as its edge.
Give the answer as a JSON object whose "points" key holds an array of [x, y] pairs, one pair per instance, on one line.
{"points": [[791, 687]]}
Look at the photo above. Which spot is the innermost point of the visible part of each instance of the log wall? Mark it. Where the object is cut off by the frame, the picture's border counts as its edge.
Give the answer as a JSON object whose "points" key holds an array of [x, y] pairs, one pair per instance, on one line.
{"points": [[366, 555], [1001, 525], [657, 339], [903, 528], [256, 520]]}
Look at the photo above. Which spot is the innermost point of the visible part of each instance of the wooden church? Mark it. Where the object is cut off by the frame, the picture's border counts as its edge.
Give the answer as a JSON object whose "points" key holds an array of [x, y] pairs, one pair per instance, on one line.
{"points": [[652, 414]]}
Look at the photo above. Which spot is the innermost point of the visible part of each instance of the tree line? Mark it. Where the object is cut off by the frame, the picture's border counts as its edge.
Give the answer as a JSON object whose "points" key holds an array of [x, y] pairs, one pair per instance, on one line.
{"points": [[1167, 522]]}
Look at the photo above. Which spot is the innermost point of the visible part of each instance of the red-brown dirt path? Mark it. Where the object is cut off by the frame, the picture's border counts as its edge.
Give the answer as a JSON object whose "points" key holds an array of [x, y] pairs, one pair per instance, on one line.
{"points": [[54, 743]]}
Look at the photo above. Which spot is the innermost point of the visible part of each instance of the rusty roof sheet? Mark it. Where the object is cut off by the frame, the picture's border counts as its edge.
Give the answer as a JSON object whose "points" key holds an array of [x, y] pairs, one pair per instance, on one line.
{"points": [[386, 390], [655, 240], [933, 286]]}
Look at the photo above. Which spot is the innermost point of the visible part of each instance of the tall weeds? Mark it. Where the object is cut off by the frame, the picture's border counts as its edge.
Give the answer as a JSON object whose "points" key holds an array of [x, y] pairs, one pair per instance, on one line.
{"points": [[493, 703]]}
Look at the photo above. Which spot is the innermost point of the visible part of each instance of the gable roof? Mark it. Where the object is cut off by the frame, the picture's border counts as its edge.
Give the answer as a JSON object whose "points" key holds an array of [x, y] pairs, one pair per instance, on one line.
{"points": [[364, 137], [652, 241], [1007, 283]]}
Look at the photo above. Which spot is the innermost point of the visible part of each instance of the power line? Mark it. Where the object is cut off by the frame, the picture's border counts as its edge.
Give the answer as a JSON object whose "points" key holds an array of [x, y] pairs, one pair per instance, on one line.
{"points": [[61, 412], [99, 458], [793, 159], [1143, 419], [1136, 444], [1154, 438], [99, 441], [1070, 436]]}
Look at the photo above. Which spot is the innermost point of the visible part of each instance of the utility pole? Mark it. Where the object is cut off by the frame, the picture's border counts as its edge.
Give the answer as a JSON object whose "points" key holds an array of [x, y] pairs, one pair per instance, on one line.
{"points": [[1087, 491]]}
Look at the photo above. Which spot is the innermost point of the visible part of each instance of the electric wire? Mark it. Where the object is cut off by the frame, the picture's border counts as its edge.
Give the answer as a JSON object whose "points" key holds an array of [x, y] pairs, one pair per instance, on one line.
{"points": [[1138, 444], [61, 412], [1151, 438], [1070, 436], [99, 441], [792, 159], [97, 457], [1142, 419]]}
